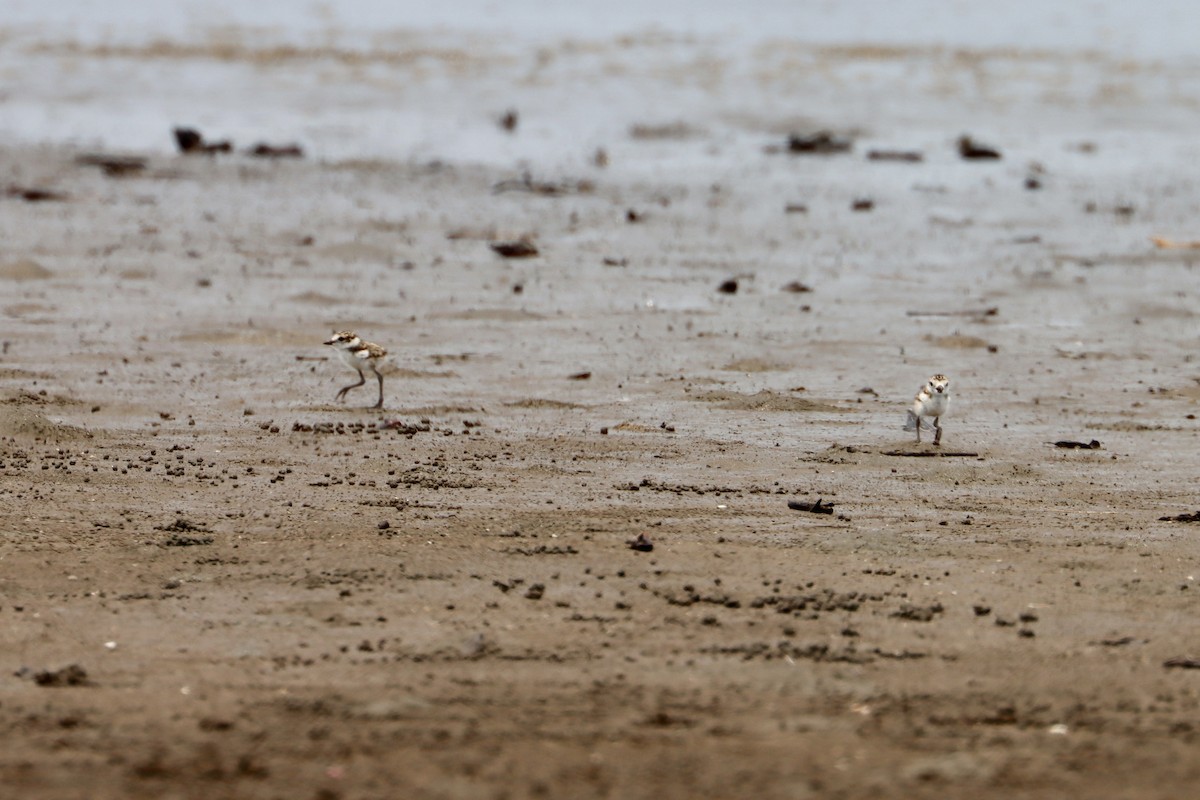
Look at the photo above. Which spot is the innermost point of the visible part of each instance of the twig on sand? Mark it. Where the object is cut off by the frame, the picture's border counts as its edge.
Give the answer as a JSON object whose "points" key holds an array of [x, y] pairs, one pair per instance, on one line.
{"points": [[931, 453], [526, 183], [813, 508], [1182, 662], [1163, 243], [978, 312]]}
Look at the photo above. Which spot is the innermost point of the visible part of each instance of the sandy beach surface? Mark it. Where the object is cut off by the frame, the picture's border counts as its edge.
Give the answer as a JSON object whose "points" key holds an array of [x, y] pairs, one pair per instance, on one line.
{"points": [[215, 581]]}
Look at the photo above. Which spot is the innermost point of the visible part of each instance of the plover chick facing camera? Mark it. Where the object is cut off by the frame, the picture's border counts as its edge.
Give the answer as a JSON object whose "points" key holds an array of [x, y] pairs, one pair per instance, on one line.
{"points": [[362, 357], [932, 401]]}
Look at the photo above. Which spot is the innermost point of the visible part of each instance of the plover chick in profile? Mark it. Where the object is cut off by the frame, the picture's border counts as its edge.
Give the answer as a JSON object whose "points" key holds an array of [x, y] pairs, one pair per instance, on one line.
{"points": [[932, 401], [362, 357]]}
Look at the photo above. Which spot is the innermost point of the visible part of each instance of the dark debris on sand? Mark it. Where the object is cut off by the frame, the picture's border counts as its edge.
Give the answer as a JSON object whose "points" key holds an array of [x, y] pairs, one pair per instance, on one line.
{"points": [[821, 143], [1073, 445], [111, 165], [813, 508], [641, 543], [519, 248], [191, 142], [971, 150], [1193, 517], [264, 150], [70, 675]]}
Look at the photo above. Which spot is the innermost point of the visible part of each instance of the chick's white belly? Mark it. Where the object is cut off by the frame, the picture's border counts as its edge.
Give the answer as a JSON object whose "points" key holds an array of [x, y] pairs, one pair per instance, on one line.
{"points": [[356, 363], [935, 406]]}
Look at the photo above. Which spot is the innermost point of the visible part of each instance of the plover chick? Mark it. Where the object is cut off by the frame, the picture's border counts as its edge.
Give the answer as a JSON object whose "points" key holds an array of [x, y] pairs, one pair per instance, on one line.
{"points": [[932, 401], [362, 357]]}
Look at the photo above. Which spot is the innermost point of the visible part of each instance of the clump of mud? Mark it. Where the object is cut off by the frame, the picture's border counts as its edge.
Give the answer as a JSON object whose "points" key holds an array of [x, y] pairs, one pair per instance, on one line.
{"points": [[24, 270], [21, 419]]}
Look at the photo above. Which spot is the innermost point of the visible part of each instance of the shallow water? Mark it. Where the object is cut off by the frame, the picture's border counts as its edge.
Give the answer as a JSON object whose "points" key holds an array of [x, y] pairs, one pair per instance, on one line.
{"points": [[375, 80]]}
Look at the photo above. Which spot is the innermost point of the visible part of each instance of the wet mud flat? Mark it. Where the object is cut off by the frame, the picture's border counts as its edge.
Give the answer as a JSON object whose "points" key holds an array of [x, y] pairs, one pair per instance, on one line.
{"points": [[638, 518]]}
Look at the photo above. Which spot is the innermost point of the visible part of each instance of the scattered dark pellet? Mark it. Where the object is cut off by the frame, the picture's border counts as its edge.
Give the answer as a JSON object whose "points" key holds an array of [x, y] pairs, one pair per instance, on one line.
{"points": [[728, 287], [181, 525], [796, 287], [535, 591], [182, 540], [916, 613], [509, 119], [1067, 443], [72, 675], [819, 143], [862, 204], [580, 376], [399, 426]]}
